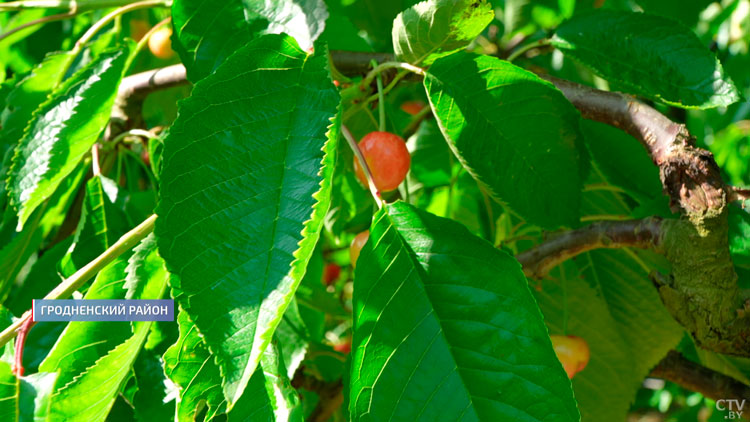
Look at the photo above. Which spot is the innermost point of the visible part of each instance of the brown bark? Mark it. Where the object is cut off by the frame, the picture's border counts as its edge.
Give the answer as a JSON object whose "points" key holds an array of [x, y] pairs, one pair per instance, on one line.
{"points": [[692, 376], [538, 261]]}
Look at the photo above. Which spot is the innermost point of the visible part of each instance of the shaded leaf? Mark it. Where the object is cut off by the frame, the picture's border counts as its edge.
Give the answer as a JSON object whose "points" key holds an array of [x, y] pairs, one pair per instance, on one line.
{"points": [[191, 367], [21, 245], [148, 401], [514, 132], [431, 159], [651, 55], [100, 226], [739, 236], [24, 399], [277, 394], [623, 160]]}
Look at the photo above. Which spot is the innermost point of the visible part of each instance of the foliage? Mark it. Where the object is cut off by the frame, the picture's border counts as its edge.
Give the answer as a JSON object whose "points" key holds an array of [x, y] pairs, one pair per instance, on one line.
{"points": [[251, 177]]}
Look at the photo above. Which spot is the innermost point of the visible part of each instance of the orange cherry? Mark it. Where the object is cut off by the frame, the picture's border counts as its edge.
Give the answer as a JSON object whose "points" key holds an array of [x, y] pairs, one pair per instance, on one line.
{"points": [[573, 352], [356, 246], [387, 157], [160, 43]]}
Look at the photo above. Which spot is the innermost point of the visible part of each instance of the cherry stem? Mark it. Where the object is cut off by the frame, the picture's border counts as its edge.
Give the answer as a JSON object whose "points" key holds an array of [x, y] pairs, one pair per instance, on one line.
{"points": [[520, 51], [23, 332], [40, 21], [101, 23], [381, 100], [95, 160], [363, 163], [390, 65]]}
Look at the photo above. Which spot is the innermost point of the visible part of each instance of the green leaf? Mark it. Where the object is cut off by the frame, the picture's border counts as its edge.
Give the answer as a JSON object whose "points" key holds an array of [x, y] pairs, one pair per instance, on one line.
{"points": [[34, 395], [280, 396], [100, 226], [239, 214], [569, 302], [28, 94], [90, 396], [82, 343], [341, 34], [8, 393], [283, 397], [514, 132], [623, 160], [431, 159], [189, 364], [652, 56], [24, 399], [687, 12], [374, 17], [441, 333], [149, 399], [22, 245], [86, 391], [62, 130], [191, 367], [731, 148], [293, 339], [436, 28], [739, 236], [612, 304], [44, 272], [206, 34], [607, 298]]}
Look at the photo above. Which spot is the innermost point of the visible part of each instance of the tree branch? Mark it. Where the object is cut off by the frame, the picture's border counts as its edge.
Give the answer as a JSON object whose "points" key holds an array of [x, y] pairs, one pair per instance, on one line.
{"points": [[331, 394], [702, 292], [738, 194], [714, 385], [690, 175], [538, 261]]}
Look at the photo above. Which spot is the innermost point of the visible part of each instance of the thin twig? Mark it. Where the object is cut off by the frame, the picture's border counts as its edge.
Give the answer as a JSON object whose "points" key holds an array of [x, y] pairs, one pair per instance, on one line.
{"points": [[738, 194], [81, 5], [522, 50], [538, 261], [74, 282], [714, 385], [101, 23], [390, 65], [95, 160], [40, 21]]}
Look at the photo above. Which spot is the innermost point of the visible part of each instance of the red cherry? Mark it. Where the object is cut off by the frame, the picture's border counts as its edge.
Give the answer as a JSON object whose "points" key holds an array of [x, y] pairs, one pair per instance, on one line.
{"points": [[356, 246], [343, 347], [412, 107], [387, 157], [146, 158], [573, 352], [331, 273]]}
